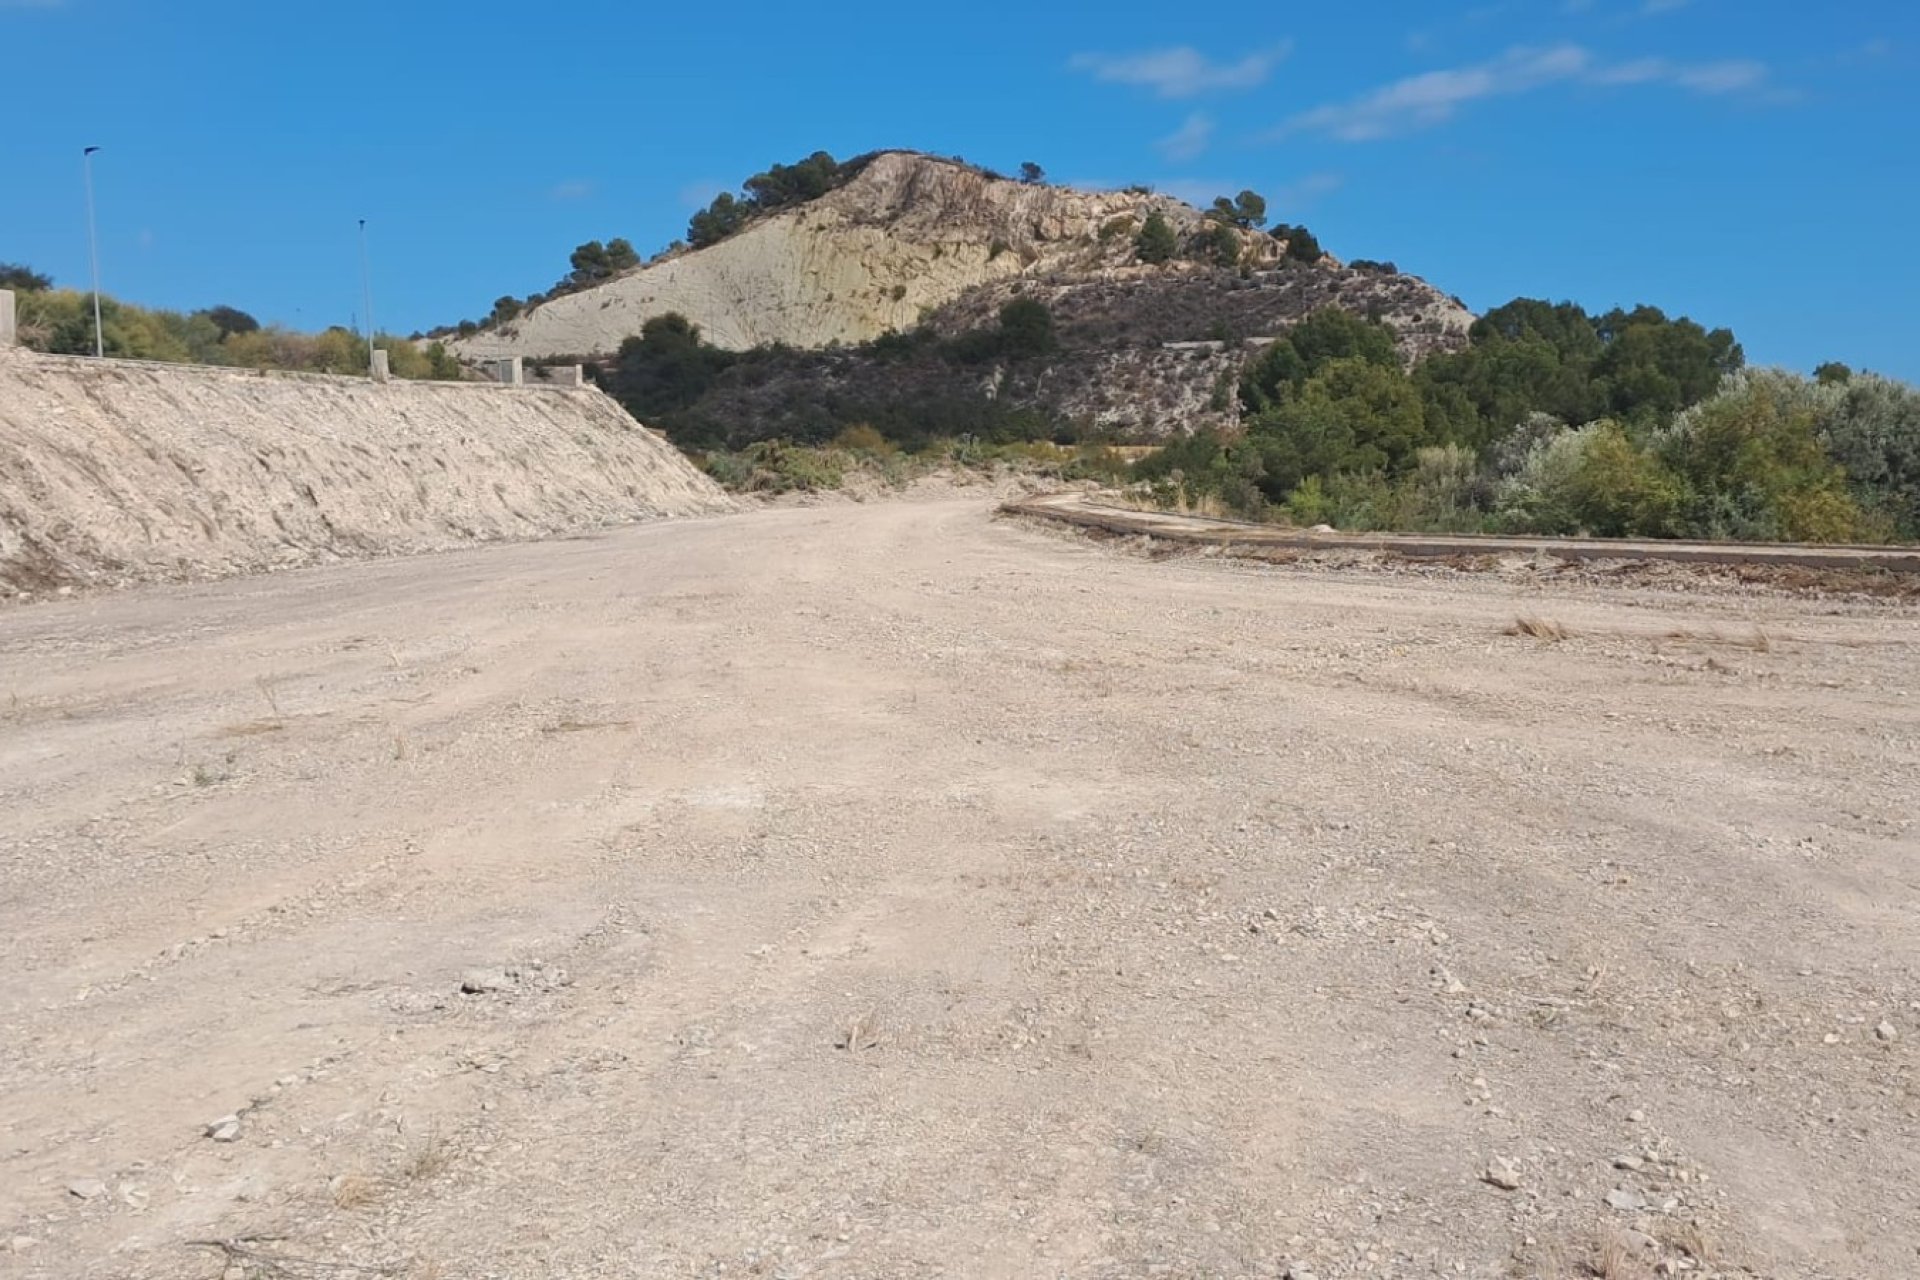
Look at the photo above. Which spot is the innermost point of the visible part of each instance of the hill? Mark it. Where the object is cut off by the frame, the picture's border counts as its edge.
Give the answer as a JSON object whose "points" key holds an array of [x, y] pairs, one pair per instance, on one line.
{"points": [[901, 237]]}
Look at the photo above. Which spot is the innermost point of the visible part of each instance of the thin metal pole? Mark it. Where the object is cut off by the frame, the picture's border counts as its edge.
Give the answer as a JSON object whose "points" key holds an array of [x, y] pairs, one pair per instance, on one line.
{"points": [[93, 253], [366, 292]]}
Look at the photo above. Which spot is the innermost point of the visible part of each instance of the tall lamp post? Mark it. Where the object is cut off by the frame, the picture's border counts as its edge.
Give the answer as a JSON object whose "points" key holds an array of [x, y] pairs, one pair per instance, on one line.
{"points": [[366, 293], [93, 253]]}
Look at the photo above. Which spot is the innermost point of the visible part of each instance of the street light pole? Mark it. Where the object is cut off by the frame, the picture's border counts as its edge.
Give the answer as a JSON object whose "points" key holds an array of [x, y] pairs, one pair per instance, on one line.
{"points": [[366, 292], [93, 253]]}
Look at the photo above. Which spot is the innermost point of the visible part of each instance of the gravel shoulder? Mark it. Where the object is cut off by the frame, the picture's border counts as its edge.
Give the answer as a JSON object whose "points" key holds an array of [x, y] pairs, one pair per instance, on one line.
{"points": [[868, 890]]}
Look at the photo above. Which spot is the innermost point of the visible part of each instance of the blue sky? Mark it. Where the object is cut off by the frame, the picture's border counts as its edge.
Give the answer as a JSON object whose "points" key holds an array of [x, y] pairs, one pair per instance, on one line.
{"points": [[1752, 163]]}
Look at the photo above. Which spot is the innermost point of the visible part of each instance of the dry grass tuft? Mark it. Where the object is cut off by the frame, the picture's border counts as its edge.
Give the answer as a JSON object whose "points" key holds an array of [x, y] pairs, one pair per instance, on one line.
{"points": [[1618, 1260], [1691, 1239], [1539, 629], [353, 1191]]}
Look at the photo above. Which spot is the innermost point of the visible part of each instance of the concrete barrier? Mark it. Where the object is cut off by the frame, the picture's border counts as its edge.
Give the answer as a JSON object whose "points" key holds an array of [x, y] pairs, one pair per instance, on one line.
{"points": [[9, 333], [1087, 512]]}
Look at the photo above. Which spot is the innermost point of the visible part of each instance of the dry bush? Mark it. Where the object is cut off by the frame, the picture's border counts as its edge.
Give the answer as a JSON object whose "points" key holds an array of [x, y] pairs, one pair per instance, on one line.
{"points": [[353, 1191], [1617, 1260], [1539, 629]]}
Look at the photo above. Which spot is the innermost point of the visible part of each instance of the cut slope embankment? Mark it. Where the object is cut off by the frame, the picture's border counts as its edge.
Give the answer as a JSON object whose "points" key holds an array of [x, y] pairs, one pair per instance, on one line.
{"points": [[116, 471]]}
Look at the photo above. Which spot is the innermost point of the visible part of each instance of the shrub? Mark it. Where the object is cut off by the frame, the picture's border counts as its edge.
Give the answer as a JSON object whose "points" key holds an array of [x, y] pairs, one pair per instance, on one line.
{"points": [[1156, 242], [1218, 243], [1301, 244], [1753, 462]]}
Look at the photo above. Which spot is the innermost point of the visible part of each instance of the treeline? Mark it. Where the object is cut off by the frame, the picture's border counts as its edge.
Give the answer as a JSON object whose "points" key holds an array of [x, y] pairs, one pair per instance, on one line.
{"points": [[777, 188], [1554, 421], [664, 375], [60, 322]]}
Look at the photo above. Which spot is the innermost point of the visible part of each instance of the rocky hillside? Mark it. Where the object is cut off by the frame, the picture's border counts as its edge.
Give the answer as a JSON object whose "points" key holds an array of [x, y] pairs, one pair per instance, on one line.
{"points": [[1142, 354], [115, 471], [907, 235]]}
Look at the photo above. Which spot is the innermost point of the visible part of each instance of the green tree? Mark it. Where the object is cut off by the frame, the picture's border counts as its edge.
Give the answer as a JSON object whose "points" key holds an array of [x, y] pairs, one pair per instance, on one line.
{"points": [[1031, 173], [1325, 335], [1302, 246], [230, 320], [23, 279], [1246, 210], [665, 368], [621, 256], [1353, 415], [1155, 242], [1026, 329], [1831, 372], [718, 220]]}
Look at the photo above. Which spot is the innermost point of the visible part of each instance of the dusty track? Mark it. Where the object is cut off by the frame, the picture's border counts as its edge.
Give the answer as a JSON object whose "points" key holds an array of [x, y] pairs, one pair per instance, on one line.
{"points": [[883, 890]]}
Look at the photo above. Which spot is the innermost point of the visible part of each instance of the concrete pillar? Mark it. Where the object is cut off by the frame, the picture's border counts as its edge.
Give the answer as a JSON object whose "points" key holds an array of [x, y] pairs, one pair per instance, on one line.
{"points": [[8, 336], [567, 375], [380, 366], [513, 371]]}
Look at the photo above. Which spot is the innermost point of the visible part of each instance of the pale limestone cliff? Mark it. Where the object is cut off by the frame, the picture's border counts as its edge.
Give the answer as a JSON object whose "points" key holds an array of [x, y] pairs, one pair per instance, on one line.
{"points": [[909, 234]]}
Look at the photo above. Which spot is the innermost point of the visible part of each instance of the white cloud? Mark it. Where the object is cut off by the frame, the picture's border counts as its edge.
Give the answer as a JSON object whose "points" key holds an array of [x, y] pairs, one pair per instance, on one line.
{"points": [[1302, 194], [1434, 97], [1182, 71], [1189, 140], [576, 189]]}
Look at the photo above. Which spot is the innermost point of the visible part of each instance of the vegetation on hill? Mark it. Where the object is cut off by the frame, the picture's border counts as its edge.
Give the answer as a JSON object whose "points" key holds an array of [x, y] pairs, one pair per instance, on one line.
{"points": [[1555, 421], [60, 321], [777, 188]]}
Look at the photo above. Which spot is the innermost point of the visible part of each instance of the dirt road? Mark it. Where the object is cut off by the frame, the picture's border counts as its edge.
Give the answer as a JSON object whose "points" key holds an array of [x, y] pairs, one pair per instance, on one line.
{"points": [[886, 890]]}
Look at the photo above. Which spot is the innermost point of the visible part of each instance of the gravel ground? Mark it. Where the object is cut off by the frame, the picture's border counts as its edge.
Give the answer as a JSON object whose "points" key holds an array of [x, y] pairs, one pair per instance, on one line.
{"points": [[880, 890]]}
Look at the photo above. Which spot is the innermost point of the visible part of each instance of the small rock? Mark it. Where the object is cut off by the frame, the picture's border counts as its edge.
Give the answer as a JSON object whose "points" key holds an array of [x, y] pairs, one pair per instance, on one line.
{"points": [[1626, 1201], [475, 982], [225, 1129], [20, 1244], [1887, 1031], [1637, 1117], [86, 1188], [1502, 1174], [1632, 1164]]}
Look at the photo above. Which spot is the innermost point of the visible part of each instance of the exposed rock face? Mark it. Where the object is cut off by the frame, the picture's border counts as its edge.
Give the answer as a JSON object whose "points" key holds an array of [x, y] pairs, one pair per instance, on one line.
{"points": [[909, 234], [118, 471], [1144, 353]]}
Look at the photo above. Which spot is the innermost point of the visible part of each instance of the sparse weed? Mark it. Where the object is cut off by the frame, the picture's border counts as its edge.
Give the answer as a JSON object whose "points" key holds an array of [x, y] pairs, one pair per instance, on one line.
{"points": [[428, 1156], [266, 685], [1539, 629]]}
